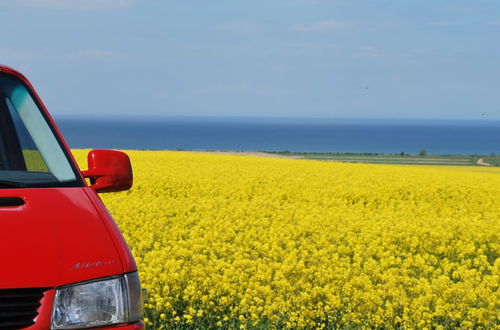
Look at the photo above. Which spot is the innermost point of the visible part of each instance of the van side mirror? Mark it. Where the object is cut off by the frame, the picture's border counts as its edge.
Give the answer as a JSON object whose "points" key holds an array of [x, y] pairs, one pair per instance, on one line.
{"points": [[109, 170]]}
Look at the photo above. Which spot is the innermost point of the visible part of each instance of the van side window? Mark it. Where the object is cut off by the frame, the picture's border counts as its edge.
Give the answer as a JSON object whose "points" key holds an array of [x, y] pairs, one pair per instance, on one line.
{"points": [[12, 157], [32, 157], [30, 154]]}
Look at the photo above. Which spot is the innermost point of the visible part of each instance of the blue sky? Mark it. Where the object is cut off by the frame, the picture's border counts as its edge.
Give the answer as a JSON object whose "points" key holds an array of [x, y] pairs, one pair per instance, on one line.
{"points": [[283, 58]]}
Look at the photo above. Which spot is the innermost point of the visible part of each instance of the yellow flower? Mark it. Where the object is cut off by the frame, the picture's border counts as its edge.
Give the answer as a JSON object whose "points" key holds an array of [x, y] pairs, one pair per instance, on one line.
{"points": [[309, 244]]}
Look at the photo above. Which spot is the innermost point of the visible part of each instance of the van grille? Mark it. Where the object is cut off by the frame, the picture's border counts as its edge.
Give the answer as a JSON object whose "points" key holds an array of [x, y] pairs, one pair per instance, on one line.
{"points": [[18, 307]]}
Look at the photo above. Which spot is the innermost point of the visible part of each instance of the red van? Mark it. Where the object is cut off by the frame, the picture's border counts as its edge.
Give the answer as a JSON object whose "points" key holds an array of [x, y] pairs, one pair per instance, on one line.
{"points": [[64, 262]]}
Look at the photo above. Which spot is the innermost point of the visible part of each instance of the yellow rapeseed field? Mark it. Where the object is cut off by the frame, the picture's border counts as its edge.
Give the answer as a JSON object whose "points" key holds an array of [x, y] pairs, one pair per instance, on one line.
{"points": [[234, 241]]}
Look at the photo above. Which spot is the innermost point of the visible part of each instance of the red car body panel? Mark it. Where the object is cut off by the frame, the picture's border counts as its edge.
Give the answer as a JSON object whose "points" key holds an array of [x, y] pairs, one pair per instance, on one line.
{"points": [[58, 237], [128, 262]]}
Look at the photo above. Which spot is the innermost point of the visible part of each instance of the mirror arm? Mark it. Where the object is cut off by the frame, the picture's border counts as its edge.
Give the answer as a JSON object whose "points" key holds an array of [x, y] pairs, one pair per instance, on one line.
{"points": [[94, 175], [97, 173]]}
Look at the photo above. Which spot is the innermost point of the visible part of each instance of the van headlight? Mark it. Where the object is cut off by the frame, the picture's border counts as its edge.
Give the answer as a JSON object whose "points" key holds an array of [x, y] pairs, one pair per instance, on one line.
{"points": [[99, 303]]}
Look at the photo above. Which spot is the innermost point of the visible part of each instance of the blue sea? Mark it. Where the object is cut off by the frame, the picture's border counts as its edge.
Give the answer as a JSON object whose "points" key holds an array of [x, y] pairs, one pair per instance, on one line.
{"points": [[292, 134]]}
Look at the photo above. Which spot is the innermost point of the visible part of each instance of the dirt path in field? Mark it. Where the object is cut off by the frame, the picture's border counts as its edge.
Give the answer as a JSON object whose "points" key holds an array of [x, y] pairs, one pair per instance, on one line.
{"points": [[247, 153], [481, 161]]}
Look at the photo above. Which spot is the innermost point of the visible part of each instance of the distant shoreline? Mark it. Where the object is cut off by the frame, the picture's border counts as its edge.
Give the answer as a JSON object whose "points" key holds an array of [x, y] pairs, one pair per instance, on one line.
{"points": [[244, 153], [372, 158]]}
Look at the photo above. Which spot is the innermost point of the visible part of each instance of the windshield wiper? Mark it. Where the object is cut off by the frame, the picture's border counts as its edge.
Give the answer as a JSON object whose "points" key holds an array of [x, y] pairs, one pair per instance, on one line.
{"points": [[11, 184]]}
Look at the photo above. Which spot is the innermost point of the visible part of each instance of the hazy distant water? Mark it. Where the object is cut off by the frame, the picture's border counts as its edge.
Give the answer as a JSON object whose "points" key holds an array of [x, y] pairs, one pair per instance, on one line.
{"points": [[378, 136]]}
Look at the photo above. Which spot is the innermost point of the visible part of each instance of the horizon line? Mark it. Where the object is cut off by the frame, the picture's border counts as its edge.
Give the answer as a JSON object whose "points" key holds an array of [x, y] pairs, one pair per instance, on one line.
{"points": [[146, 117]]}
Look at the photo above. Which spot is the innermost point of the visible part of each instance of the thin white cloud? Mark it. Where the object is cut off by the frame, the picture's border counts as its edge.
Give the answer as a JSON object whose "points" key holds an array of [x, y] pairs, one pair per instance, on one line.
{"points": [[302, 45], [22, 60], [471, 8], [369, 51], [96, 54], [419, 52], [18, 55], [240, 26], [442, 23], [281, 68], [301, 2], [315, 49], [319, 26], [241, 89], [70, 4]]}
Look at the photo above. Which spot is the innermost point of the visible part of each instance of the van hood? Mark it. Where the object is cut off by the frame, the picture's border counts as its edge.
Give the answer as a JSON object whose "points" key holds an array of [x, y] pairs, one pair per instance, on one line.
{"points": [[56, 237]]}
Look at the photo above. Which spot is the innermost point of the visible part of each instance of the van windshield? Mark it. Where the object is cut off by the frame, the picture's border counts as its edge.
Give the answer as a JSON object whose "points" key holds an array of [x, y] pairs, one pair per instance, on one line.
{"points": [[30, 153]]}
